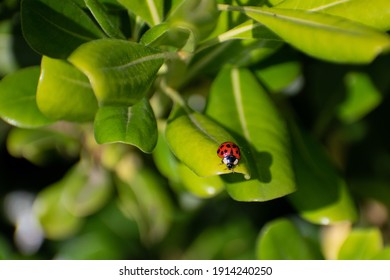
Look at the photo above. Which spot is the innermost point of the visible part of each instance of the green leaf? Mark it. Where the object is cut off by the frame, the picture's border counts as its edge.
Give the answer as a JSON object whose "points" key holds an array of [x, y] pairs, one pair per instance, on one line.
{"points": [[323, 36], [374, 13], [164, 159], [240, 53], [164, 35], [135, 125], [119, 71], [42, 146], [362, 97], [322, 195], [230, 241], [240, 104], [57, 222], [361, 244], [98, 11], [87, 188], [246, 30], [150, 11], [281, 240], [200, 16], [279, 75], [143, 198], [64, 92], [203, 187], [56, 28], [18, 99], [195, 138]]}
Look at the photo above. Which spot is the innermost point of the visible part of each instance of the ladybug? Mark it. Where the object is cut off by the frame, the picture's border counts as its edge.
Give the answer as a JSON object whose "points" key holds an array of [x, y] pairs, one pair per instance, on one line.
{"points": [[230, 154]]}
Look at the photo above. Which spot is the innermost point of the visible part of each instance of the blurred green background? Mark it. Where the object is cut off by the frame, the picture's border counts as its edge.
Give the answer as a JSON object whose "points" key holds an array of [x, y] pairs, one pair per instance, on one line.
{"points": [[63, 196]]}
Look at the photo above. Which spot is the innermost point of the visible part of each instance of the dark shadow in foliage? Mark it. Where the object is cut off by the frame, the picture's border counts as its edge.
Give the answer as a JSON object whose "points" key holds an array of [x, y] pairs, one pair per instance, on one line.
{"points": [[263, 163], [318, 181], [64, 35], [24, 55]]}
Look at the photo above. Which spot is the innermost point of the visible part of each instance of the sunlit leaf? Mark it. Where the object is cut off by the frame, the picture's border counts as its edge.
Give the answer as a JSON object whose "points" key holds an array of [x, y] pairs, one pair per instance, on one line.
{"points": [[64, 93], [163, 157], [135, 125], [374, 13], [119, 71], [194, 139], [323, 36], [18, 99], [203, 187], [241, 105]]}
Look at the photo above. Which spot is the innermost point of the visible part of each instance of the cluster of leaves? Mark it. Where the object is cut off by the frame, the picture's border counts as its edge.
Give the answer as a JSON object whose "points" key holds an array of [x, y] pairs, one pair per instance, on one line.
{"points": [[176, 79]]}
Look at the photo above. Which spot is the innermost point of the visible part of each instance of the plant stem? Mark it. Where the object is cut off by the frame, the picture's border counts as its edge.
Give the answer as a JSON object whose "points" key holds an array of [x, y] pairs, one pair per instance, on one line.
{"points": [[174, 95], [227, 8]]}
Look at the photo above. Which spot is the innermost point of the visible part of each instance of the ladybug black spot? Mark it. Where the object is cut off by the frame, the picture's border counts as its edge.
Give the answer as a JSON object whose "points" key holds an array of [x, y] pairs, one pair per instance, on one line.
{"points": [[228, 145], [225, 151]]}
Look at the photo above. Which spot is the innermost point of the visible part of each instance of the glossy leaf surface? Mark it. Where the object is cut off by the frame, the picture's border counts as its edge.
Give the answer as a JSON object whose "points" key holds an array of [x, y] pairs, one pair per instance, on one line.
{"points": [[312, 32], [241, 105], [64, 92], [374, 13], [203, 187], [135, 125], [18, 99], [56, 28], [194, 139], [119, 71]]}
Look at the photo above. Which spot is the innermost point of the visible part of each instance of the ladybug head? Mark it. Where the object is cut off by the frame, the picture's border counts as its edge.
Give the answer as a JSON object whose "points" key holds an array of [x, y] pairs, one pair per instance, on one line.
{"points": [[230, 161]]}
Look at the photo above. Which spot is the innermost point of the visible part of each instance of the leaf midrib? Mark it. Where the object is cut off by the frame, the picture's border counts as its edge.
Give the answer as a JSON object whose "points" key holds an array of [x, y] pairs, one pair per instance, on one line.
{"points": [[135, 62], [77, 35], [305, 22]]}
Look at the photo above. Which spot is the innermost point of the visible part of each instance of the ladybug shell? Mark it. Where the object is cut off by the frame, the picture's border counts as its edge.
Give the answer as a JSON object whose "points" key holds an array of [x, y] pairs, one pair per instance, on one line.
{"points": [[227, 149]]}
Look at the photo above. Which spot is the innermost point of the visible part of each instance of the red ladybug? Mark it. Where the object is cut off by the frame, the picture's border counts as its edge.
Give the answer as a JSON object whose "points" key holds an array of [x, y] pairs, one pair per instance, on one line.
{"points": [[230, 154]]}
